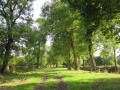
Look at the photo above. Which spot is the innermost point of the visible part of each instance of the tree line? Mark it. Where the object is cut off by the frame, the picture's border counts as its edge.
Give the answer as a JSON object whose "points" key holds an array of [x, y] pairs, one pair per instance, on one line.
{"points": [[78, 29]]}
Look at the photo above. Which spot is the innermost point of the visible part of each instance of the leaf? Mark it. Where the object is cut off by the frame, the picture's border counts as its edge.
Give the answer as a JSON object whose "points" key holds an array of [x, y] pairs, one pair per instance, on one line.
{"points": [[23, 1]]}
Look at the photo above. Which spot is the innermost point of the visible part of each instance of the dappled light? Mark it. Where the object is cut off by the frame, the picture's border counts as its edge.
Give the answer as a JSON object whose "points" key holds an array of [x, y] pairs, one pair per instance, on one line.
{"points": [[59, 44], [56, 79]]}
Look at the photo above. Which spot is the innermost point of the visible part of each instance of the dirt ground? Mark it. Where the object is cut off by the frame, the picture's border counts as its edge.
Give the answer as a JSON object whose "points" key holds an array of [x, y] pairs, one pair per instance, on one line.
{"points": [[41, 85], [61, 85]]}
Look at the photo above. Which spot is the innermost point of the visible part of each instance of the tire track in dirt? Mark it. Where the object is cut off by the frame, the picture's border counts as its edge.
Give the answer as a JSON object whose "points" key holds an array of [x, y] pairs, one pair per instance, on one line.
{"points": [[61, 84], [41, 85], [97, 85]]}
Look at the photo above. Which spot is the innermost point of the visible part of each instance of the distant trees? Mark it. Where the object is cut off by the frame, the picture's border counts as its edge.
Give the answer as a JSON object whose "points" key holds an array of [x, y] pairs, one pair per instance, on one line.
{"points": [[35, 44], [64, 24]]}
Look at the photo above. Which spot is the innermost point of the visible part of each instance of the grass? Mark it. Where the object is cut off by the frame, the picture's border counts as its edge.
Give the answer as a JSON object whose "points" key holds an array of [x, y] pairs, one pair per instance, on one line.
{"points": [[75, 80], [22, 81]]}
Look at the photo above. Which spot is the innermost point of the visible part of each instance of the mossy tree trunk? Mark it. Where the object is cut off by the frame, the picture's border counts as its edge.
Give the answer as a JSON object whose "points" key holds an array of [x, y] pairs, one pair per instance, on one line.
{"points": [[91, 58], [115, 61], [74, 54]]}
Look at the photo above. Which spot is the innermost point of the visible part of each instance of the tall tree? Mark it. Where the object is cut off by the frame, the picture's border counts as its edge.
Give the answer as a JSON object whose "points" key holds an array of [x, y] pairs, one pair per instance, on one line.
{"points": [[92, 11], [12, 12], [62, 20], [111, 33]]}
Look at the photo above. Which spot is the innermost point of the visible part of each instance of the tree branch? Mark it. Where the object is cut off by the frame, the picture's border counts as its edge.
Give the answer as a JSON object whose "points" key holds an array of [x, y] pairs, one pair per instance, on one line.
{"points": [[20, 11], [6, 4]]}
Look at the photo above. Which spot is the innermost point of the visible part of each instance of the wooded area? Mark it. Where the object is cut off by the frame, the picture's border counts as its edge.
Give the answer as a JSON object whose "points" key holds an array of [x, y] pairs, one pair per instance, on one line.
{"points": [[77, 29]]}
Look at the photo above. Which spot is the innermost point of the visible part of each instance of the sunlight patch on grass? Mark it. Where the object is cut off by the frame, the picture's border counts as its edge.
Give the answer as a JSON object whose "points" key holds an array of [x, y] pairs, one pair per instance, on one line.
{"points": [[22, 81], [75, 80], [84, 80]]}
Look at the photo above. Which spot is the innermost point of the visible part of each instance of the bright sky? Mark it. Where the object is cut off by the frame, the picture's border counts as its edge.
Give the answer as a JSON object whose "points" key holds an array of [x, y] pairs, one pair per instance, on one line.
{"points": [[37, 7], [37, 10]]}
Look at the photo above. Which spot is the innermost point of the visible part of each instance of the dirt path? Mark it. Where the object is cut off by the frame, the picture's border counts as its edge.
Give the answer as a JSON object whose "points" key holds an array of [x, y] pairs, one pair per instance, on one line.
{"points": [[97, 85], [61, 84], [41, 85]]}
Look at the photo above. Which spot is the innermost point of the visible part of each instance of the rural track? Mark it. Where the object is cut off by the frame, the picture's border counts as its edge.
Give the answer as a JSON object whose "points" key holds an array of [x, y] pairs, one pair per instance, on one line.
{"points": [[97, 85], [41, 85], [61, 84]]}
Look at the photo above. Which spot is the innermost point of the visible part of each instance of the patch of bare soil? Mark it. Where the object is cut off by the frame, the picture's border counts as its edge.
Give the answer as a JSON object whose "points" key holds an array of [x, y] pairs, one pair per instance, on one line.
{"points": [[61, 84], [41, 85], [97, 85], [5, 88]]}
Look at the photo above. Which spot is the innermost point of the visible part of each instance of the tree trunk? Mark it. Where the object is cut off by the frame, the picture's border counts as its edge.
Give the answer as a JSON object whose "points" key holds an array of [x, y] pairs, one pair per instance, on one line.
{"points": [[115, 58], [69, 62], [83, 64], [38, 57], [4, 68], [92, 61], [56, 64], [74, 54], [38, 62]]}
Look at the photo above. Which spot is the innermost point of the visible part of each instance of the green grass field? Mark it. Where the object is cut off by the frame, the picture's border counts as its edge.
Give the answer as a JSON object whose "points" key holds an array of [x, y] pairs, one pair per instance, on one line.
{"points": [[75, 80]]}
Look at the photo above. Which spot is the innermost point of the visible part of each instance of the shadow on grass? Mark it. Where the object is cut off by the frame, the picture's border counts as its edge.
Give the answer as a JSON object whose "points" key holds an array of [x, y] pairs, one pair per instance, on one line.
{"points": [[80, 84], [29, 86], [26, 75], [98, 84], [21, 76], [51, 86]]}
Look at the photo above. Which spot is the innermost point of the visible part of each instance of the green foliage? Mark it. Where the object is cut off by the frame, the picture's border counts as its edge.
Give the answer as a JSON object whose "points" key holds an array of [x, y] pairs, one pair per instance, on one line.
{"points": [[23, 1], [64, 25], [94, 13], [76, 32], [104, 61], [18, 61], [100, 61], [109, 61], [12, 14]]}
